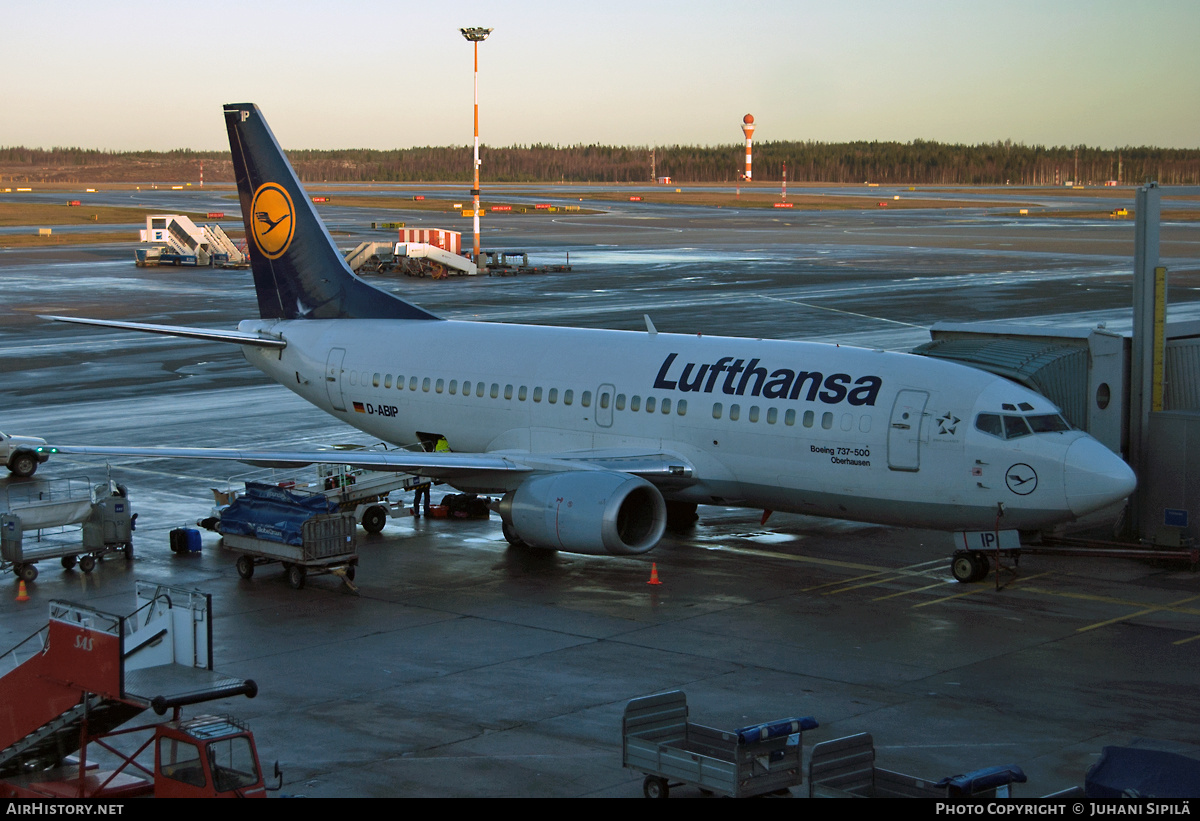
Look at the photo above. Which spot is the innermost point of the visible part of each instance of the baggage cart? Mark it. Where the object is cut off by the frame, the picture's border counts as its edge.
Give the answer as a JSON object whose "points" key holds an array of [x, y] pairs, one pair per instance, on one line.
{"points": [[365, 493], [671, 751], [327, 545], [66, 519], [845, 768]]}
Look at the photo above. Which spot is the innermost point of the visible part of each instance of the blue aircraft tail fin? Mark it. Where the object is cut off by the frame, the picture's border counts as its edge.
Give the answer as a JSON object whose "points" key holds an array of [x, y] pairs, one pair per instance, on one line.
{"points": [[299, 273]]}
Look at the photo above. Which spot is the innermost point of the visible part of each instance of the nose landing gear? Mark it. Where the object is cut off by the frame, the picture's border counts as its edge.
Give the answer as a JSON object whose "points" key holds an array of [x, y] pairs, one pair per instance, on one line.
{"points": [[969, 567]]}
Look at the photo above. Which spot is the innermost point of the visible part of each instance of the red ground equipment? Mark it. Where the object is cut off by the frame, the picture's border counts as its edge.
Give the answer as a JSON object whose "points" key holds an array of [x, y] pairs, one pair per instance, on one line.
{"points": [[71, 685]]}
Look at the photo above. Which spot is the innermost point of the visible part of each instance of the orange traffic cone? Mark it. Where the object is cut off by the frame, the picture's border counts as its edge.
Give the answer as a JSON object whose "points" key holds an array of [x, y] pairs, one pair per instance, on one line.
{"points": [[21, 594], [653, 574]]}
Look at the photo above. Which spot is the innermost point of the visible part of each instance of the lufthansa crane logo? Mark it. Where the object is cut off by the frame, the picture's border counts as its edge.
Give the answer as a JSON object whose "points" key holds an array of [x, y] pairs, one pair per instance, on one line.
{"points": [[272, 219], [1021, 479]]}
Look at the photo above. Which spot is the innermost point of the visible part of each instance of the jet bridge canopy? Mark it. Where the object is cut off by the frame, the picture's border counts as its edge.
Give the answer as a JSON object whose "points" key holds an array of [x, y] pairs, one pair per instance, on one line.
{"points": [[1056, 370]]}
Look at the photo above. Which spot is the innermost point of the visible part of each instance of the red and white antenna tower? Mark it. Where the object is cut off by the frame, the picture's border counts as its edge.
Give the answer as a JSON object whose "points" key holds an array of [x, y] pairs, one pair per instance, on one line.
{"points": [[748, 130]]}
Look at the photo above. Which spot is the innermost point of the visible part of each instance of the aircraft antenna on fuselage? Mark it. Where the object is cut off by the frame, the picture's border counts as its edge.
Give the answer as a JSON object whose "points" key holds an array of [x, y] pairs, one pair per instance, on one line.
{"points": [[299, 273]]}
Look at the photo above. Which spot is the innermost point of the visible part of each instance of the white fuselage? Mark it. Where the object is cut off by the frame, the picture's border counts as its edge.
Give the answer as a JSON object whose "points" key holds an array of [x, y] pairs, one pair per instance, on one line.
{"points": [[800, 427]]}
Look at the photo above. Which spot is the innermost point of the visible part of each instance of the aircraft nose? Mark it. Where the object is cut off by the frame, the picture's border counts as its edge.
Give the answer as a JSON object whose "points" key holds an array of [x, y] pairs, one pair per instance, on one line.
{"points": [[1095, 477]]}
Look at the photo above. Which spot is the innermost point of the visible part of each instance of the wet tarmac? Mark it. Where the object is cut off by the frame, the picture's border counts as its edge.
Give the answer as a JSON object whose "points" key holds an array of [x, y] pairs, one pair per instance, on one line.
{"points": [[467, 668]]}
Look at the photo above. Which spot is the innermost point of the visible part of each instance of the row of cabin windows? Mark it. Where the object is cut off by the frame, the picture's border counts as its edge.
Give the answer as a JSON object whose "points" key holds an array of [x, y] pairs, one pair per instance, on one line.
{"points": [[522, 393], [808, 419], [635, 403]]}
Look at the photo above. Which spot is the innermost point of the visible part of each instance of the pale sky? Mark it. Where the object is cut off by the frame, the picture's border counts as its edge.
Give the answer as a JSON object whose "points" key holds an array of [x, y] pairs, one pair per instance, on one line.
{"points": [[134, 74]]}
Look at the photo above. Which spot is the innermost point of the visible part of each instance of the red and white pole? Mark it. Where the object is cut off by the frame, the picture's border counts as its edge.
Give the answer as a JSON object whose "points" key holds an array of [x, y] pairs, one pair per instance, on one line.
{"points": [[748, 130], [475, 188], [476, 36]]}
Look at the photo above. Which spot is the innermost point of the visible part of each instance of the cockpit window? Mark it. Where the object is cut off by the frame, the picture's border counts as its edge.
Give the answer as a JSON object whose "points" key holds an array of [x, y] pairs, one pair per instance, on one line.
{"points": [[990, 423], [1011, 426], [1015, 427], [1047, 423]]}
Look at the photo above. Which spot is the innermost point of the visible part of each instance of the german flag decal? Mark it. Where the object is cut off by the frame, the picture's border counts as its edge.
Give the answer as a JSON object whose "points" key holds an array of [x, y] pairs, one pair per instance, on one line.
{"points": [[359, 407]]}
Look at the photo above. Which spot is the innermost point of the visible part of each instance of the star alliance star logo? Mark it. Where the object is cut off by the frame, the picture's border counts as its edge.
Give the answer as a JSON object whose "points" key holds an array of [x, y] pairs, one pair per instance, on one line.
{"points": [[947, 424]]}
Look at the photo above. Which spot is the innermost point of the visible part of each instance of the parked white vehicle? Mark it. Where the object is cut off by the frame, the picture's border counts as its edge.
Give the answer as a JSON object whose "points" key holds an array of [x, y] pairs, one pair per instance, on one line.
{"points": [[20, 453]]}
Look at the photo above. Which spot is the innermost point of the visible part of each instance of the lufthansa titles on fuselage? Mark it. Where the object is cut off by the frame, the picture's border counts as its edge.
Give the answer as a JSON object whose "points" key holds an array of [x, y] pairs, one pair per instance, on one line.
{"points": [[737, 377]]}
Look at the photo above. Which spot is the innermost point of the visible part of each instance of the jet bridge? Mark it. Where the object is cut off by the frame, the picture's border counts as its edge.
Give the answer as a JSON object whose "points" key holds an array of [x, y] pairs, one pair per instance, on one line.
{"points": [[87, 672]]}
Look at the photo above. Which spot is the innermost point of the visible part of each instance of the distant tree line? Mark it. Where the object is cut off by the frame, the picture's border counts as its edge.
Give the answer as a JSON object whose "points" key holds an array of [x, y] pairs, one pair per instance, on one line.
{"points": [[920, 162]]}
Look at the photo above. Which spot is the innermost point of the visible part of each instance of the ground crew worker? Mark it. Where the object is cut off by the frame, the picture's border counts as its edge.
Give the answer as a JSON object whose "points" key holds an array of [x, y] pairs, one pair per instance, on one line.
{"points": [[421, 489]]}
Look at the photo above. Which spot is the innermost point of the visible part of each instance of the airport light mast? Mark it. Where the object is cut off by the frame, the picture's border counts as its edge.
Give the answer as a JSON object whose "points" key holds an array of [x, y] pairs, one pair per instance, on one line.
{"points": [[476, 36]]}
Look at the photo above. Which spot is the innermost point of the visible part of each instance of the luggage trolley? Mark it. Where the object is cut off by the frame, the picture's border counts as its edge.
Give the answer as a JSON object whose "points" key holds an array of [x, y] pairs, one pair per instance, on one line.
{"points": [[671, 751], [40, 522]]}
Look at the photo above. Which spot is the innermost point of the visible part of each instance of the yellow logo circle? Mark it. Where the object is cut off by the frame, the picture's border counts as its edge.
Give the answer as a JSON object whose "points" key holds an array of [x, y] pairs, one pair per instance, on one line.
{"points": [[272, 219]]}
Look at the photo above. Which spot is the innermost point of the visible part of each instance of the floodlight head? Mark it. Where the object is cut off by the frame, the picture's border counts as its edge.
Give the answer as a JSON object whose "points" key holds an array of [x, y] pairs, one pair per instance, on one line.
{"points": [[476, 35]]}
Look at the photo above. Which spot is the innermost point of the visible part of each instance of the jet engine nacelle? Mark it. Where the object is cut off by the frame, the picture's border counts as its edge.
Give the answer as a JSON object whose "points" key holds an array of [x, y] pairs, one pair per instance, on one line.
{"points": [[587, 511]]}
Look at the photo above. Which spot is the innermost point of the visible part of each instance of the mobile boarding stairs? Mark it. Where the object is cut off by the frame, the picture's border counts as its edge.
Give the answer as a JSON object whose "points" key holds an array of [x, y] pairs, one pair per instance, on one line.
{"points": [[88, 672]]}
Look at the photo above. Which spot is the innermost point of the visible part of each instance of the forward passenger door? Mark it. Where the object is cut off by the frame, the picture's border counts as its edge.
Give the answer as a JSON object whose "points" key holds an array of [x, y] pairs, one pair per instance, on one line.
{"points": [[904, 432]]}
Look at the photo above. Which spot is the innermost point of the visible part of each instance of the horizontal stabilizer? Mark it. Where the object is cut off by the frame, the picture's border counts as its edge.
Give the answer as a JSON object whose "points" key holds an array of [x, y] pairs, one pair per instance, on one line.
{"points": [[237, 337]]}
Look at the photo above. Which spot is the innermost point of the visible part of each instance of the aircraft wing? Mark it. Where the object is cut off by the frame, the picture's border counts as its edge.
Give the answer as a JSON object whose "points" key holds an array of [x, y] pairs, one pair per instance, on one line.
{"points": [[663, 470], [401, 461]]}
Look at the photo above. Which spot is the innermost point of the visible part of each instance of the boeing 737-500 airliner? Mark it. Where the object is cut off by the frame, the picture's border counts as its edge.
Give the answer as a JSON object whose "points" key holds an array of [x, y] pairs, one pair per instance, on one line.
{"points": [[594, 436]]}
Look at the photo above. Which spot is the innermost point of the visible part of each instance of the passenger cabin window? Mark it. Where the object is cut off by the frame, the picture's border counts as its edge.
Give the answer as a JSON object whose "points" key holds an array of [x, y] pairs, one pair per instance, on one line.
{"points": [[666, 406], [479, 388], [735, 412], [649, 404], [553, 396], [522, 393], [635, 403], [568, 396], [620, 401], [387, 381], [537, 394], [586, 399], [453, 387], [716, 410], [681, 407], [508, 391], [440, 386]]}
